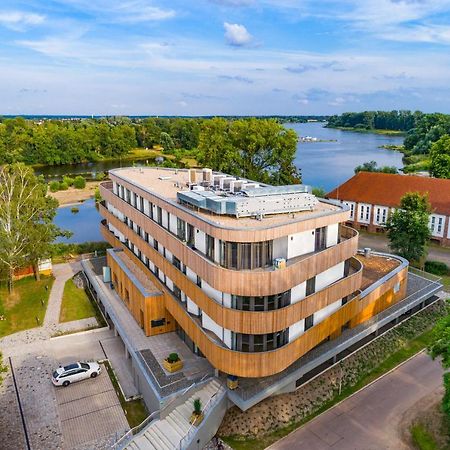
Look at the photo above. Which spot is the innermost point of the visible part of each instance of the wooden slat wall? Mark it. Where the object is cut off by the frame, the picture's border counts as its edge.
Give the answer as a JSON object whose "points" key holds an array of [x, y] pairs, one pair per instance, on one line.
{"points": [[253, 322], [268, 363], [153, 307], [256, 234], [250, 282]]}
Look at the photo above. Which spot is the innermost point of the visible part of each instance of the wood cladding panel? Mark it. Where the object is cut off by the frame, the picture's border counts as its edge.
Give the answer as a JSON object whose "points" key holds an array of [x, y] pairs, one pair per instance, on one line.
{"points": [[217, 230], [243, 282], [257, 322], [143, 309], [268, 363]]}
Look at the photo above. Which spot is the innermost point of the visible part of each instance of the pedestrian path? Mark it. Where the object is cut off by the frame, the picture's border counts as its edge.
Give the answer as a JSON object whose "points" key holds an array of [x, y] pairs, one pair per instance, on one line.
{"points": [[19, 342]]}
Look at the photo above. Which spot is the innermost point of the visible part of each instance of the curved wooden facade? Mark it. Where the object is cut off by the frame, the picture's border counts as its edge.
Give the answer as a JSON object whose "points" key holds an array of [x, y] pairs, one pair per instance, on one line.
{"points": [[246, 282], [271, 362], [249, 322]]}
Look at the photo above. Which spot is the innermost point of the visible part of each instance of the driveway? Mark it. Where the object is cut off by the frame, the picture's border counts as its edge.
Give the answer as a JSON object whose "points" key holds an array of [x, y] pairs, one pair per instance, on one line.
{"points": [[89, 410], [371, 419], [379, 242]]}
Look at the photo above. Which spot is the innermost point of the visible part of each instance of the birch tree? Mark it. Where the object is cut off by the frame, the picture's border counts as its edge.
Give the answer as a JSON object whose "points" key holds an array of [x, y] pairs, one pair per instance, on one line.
{"points": [[26, 219]]}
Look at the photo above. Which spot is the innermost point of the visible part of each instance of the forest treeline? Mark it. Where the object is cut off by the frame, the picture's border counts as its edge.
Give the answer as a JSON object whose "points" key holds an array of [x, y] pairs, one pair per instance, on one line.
{"points": [[427, 136], [377, 120], [261, 149]]}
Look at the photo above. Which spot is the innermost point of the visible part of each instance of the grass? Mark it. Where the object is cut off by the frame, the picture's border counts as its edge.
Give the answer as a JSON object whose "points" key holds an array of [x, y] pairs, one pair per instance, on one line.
{"points": [[134, 410], [422, 440], [26, 306], [77, 305], [409, 349]]}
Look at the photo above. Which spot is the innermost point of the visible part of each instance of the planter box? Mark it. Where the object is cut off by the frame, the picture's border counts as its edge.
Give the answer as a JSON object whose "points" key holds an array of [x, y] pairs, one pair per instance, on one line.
{"points": [[173, 367], [196, 420]]}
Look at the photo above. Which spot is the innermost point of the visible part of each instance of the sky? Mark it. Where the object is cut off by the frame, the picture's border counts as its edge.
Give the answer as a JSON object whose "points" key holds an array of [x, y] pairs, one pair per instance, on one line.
{"points": [[223, 57]]}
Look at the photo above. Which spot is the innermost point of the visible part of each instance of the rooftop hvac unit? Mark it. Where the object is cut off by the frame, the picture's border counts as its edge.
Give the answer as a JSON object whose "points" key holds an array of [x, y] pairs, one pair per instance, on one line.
{"points": [[216, 179], [236, 185], [195, 187], [224, 183], [192, 176], [207, 176], [250, 186]]}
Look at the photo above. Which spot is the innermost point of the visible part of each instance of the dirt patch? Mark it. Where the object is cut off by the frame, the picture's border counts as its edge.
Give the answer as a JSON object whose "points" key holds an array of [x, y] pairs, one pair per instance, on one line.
{"points": [[427, 412], [74, 196], [11, 300]]}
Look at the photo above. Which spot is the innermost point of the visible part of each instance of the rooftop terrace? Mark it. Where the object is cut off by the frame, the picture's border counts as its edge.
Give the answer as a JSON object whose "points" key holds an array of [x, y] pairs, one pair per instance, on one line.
{"points": [[167, 183]]}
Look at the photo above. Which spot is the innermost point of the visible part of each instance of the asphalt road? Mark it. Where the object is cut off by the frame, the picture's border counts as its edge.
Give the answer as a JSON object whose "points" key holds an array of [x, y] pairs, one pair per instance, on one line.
{"points": [[379, 242], [371, 419]]}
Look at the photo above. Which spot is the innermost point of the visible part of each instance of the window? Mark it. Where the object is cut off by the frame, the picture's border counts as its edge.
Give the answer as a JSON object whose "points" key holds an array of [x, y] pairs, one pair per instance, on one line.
{"points": [[260, 342], [264, 303], [199, 281], [158, 323], [310, 286], [159, 215], [209, 247], [309, 322], [352, 209], [321, 239], [176, 262], [146, 236], [246, 256], [155, 244], [181, 229], [190, 236]]}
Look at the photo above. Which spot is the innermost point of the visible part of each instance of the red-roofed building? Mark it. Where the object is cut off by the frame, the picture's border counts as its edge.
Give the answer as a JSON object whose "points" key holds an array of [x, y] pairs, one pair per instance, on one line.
{"points": [[371, 197]]}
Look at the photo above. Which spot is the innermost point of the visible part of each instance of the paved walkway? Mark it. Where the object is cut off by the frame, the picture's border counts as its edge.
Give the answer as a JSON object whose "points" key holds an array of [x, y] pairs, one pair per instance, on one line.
{"points": [[371, 419], [17, 343]]}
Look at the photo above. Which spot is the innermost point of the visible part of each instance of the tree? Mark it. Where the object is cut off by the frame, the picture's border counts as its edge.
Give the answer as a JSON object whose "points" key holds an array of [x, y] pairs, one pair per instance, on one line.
{"points": [[440, 158], [440, 347], [166, 142], [257, 149], [372, 166], [26, 219], [407, 227]]}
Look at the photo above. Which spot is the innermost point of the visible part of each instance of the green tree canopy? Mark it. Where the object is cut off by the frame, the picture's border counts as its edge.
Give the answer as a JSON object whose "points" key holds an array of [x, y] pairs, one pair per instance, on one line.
{"points": [[26, 219], [407, 227], [440, 158], [372, 166], [258, 149]]}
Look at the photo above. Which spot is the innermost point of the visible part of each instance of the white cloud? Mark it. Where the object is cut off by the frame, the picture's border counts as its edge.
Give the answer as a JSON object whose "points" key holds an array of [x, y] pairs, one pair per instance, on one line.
{"points": [[18, 20], [237, 35]]}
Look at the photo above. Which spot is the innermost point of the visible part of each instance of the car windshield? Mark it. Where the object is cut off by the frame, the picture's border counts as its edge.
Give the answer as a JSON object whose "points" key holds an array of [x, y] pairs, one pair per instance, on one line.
{"points": [[71, 366], [55, 374], [85, 366]]}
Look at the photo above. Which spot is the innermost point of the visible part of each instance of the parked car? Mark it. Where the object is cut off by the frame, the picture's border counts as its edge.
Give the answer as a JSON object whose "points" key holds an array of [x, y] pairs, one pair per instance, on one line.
{"points": [[72, 373]]}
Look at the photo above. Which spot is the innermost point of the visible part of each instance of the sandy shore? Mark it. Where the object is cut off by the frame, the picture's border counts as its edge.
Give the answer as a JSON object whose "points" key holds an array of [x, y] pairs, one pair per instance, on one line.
{"points": [[75, 196]]}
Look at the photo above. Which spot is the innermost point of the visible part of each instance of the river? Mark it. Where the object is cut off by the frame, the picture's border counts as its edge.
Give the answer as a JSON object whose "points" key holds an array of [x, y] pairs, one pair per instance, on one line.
{"points": [[328, 164], [323, 164]]}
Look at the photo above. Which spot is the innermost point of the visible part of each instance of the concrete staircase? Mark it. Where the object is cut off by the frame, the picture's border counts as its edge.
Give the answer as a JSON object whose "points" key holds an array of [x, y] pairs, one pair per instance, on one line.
{"points": [[167, 433]]}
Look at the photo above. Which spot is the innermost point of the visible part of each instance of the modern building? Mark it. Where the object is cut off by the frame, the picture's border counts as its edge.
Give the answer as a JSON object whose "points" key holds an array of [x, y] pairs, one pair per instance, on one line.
{"points": [[250, 276], [372, 196]]}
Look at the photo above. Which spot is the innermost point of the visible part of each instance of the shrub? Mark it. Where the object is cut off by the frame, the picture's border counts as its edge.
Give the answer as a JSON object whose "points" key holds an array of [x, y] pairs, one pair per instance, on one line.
{"points": [[63, 186], [79, 182], [100, 176], [54, 186], [197, 406], [436, 267], [61, 249], [69, 181], [173, 357]]}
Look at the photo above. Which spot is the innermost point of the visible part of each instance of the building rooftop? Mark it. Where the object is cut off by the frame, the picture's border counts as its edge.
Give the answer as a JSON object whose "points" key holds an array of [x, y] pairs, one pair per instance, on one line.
{"points": [[376, 267], [167, 183], [386, 189]]}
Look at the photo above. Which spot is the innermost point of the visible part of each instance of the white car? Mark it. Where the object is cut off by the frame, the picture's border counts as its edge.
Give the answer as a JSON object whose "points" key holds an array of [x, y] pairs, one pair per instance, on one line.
{"points": [[72, 373]]}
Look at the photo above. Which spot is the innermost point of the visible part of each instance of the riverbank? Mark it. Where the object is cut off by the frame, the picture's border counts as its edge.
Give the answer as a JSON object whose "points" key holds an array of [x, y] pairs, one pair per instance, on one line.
{"points": [[74, 196], [371, 131]]}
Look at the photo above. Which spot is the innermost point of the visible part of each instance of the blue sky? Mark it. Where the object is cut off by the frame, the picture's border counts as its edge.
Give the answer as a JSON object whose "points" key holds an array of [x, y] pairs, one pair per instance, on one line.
{"points": [[223, 56]]}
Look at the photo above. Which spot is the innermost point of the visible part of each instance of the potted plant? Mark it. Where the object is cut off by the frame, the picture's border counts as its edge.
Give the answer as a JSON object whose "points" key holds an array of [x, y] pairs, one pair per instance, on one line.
{"points": [[173, 363], [197, 414]]}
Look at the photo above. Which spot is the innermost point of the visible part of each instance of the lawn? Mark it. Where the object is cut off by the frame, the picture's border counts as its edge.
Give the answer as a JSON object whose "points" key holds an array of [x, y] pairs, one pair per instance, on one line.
{"points": [[411, 348], [422, 439], [25, 307], [76, 304]]}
